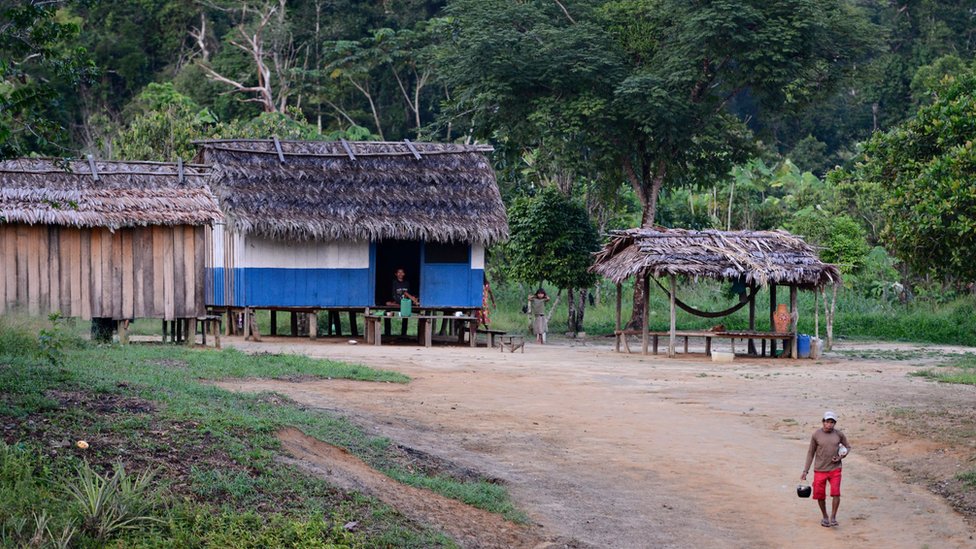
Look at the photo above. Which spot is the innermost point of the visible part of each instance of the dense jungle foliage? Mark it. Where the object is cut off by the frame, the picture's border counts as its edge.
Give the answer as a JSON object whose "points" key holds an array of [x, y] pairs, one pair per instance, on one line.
{"points": [[850, 122]]}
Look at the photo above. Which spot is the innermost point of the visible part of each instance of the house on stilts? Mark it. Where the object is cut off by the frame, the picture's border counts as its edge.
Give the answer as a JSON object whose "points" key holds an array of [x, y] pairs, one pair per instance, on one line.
{"points": [[110, 241], [312, 226]]}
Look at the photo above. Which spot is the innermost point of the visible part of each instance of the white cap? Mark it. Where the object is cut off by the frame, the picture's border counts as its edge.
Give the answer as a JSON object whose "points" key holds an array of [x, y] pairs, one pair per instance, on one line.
{"points": [[829, 415]]}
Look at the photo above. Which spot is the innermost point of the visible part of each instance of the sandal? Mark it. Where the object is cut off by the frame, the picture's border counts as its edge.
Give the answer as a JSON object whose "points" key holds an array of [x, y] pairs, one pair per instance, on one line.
{"points": [[825, 523], [833, 522]]}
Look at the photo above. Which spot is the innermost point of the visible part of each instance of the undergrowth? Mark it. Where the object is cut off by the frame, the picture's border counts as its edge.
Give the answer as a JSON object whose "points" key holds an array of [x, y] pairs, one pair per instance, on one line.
{"points": [[216, 479]]}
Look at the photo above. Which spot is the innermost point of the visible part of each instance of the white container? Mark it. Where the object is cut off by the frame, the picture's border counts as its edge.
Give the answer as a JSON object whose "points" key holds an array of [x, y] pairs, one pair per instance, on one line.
{"points": [[816, 348], [722, 356]]}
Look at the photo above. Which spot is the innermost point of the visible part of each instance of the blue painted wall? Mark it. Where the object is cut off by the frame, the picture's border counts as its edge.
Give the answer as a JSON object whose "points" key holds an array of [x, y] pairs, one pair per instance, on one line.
{"points": [[442, 285]]}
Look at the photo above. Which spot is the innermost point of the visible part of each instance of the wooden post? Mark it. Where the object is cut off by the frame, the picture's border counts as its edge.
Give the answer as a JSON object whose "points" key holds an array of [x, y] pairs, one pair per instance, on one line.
{"points": [[752, 317], [251, 321], [816, 314], [247, 323], [294, 324], [794, 320], [274, 323], [619, 290], [674, 317], [191, 331], [353, 327], [179, 330], [123, 327], [772, 316], [164, 330], [644, 323], [313, 325]]}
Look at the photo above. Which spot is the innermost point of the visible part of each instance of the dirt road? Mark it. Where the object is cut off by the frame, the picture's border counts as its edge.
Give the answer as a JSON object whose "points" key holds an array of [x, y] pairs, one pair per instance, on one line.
{"points": [[619, 450]]}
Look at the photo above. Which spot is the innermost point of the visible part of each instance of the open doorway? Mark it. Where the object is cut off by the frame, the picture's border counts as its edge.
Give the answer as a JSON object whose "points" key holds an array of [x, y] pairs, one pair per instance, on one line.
{"points": [[393, 254]]}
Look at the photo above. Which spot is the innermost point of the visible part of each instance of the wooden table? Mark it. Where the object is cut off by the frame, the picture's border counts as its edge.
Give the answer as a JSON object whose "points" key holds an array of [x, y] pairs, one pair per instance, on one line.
{"points": [[425, 327]]}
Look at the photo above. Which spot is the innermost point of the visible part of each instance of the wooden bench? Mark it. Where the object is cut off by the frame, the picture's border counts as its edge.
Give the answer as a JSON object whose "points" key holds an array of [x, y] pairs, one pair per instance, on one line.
{"points": [[209, 323], [512, 342], [787, 338], [491, 334]]}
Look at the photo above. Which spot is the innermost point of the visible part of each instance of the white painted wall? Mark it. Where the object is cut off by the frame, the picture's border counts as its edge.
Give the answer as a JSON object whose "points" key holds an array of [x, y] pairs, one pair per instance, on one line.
{"points": [[477, 256], [282, 254]]}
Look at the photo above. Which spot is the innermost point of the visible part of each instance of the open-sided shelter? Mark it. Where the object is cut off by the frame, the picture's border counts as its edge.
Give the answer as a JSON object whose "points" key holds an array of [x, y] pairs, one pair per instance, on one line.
{"points": [[753, 259], [323, 225], [110, 240]]}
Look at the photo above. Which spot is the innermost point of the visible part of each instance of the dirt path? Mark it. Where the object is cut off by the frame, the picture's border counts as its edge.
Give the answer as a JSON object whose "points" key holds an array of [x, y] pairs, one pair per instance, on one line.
{"points": [[629, 451]]}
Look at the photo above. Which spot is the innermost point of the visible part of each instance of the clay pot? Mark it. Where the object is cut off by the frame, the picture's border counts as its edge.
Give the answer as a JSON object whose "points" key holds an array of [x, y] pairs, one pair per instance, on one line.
{"points": [[781, 319]]}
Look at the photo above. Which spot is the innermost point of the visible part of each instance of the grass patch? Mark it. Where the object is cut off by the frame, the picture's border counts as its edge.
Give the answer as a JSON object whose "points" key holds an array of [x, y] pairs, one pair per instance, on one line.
{"points": [[959, 369], [150, 407], [968, 478]]}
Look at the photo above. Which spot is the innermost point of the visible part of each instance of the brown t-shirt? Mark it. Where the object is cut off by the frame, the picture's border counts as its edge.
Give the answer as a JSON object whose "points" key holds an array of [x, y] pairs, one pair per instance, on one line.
{"points": [[823, 447]]}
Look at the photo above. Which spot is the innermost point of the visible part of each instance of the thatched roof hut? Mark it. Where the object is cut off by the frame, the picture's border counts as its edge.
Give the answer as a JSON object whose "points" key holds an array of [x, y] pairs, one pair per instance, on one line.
{"points": [[314, 224], [111, 240], [305, 190], [753, 259], [760, 257], [37, 191]]}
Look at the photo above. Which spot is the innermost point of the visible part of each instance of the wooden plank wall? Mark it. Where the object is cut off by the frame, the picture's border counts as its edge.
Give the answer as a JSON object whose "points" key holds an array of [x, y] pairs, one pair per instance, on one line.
{"points": [[144, 272]]}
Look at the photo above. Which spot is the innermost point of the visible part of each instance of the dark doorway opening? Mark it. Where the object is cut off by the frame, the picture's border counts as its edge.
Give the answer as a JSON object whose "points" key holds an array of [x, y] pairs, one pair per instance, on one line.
{"points": [[391, 255]]}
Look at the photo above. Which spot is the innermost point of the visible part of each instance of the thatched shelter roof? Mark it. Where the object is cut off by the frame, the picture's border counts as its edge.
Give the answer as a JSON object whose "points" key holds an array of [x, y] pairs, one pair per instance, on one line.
{"points": [[302, 190], [104, 194], [762, 257]]}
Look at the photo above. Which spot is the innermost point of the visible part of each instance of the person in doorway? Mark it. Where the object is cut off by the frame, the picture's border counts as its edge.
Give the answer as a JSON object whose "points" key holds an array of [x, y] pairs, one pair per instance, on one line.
{"points": [[399, 290], [537, 310], [828, 447]]}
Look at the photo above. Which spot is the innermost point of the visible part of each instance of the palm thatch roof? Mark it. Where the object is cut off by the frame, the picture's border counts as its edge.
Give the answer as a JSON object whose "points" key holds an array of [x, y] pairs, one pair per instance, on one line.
{"points": [[303, 190], [104, 194], [760, 257]]}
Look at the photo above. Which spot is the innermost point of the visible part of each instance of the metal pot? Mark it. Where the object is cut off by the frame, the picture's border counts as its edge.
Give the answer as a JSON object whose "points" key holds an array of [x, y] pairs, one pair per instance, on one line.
{"points": [[803, 491]]}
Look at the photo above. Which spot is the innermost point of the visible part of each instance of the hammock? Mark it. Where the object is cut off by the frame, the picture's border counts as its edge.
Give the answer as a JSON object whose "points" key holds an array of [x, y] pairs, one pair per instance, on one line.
{"points": [[707, 314]]}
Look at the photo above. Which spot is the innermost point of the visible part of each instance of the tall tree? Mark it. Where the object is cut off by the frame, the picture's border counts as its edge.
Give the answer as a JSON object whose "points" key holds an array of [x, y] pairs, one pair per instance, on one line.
{"points": [[36, 58], [552, 239], [647, 86], [922, 173]]}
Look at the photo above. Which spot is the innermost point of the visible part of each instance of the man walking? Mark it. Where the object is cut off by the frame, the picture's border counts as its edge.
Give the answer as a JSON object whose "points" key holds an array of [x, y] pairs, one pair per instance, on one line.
{"points": [[828, 446]]}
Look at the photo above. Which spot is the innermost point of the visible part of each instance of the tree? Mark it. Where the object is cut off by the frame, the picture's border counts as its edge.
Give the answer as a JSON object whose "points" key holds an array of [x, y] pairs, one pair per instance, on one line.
{"points": [[923, 172], [35, 57], [646, 86], [552, 240], [163, 127]]}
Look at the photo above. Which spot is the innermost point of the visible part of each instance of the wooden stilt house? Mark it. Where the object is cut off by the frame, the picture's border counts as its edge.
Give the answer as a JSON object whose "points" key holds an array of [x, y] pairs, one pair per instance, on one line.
{"points": [[323, 225], [105, 240]]}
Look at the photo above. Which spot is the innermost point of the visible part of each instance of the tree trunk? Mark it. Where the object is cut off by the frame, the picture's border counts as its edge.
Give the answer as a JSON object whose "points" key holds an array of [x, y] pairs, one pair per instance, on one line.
{"points": [[648, 193], [577, 309]]}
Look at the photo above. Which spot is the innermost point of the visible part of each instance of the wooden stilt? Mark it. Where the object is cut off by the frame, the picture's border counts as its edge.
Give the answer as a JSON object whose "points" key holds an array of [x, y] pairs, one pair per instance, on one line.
{"points": [[772, 316], [647, 313], [313, 325], [274, 323], [164, 330], [619, 299], [252, 322], [123, 328], [752, 316], [794, 320], [674, 318]]}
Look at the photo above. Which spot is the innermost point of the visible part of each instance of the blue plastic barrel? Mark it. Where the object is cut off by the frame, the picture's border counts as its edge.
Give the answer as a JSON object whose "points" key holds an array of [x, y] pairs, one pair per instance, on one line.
{"points": [[803, 346]]}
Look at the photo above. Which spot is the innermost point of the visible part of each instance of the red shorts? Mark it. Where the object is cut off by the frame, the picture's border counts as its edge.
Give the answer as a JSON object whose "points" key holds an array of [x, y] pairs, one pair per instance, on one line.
{"points": [[820, 479]]}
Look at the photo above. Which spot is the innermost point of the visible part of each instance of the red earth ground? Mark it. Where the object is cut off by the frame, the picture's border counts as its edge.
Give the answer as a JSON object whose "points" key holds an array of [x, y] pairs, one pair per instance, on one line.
{"points": [[602, 449]]}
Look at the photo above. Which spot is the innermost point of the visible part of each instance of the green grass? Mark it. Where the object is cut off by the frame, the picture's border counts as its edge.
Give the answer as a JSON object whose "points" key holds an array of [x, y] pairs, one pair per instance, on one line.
{"points": [[151, 406], [968, 478], [960, 369], [856, 316]]}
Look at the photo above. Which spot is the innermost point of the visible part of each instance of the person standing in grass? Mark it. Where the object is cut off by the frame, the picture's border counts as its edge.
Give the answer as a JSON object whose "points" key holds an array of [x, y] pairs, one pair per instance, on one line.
{"points": [[828, 447], [537, 308]]}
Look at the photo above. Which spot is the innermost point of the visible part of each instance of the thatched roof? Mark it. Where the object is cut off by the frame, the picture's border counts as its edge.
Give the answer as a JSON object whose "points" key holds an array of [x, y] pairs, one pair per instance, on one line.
{"points": [[762, 257], [301, 190], [123, 194]]}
